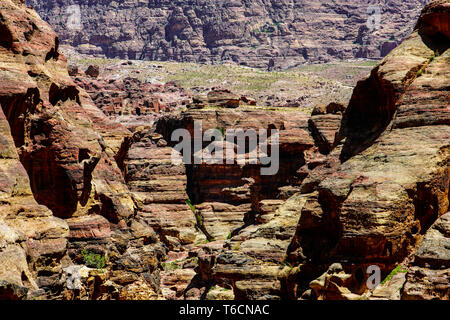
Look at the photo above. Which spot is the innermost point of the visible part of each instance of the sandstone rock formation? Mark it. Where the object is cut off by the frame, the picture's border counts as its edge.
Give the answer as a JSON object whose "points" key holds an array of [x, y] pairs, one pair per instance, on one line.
{"points": [[30, 236], [370, 201], [130, 101], [94, 209], [258, 33], [67, 147], [429, 277]]}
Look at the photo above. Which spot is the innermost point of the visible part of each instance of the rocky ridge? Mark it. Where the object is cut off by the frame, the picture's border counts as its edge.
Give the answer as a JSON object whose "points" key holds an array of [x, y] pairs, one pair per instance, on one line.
{"points": [[257, 33], [369, 202]]}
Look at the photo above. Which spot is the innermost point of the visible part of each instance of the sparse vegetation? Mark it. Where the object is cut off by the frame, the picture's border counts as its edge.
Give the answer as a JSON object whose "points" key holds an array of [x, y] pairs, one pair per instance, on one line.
{"points": [[434, 56], [169, 266], [219, 288], [194, 260], [397, 270], [222, 131], [236, 247], [198, 216], [199, 221], [191, 206], [317, 83], [287, 264], [202, 242]]}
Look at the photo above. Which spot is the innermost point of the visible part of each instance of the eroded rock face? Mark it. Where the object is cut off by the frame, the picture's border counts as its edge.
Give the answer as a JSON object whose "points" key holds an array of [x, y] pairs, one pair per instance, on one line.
{"points": [[130, 101], [225, 198], [372, 198], [30, 237], [68, 148], [111, 215], [429, 277], [380, 197], [52, 124], [258, 33]]}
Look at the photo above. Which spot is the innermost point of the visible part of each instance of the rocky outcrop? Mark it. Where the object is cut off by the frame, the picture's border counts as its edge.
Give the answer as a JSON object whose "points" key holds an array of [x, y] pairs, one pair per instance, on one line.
{"points": [[325, 122], [130, 101], [234, 206], [217, 98], [428, 278], [196, 206], [258, 33], [379, 197], [68, 148], [93, 209], [160, 189], [32, 240], [371, 200]]}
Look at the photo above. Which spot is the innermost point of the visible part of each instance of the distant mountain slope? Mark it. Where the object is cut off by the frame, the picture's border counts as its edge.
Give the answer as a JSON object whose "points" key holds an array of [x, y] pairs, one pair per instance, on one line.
{"points": [[248, 32]]}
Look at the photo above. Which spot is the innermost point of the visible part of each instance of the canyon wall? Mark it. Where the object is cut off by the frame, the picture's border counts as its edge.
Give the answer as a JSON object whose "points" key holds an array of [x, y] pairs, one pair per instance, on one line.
{"points": [[94, 209], [257, 33], [67, 149]]}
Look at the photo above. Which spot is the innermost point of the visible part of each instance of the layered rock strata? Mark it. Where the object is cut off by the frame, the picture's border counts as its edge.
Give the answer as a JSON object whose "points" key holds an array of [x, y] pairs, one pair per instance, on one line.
{"points": [[91, 210], [258, 33], [373, 199], [68, 148]]}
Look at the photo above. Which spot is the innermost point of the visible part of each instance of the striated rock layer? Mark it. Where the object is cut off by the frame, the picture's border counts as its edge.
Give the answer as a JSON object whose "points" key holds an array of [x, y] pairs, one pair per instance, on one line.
{"points": [[92, 210], [383, 185], [257, 33], [68, 148]]}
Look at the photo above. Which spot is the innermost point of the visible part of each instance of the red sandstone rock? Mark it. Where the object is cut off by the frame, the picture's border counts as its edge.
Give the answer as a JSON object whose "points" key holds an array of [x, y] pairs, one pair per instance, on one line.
{"points": [[350, 192], [131, 102], [89, 227], [93, 71], [371, 198], [69, 149]]}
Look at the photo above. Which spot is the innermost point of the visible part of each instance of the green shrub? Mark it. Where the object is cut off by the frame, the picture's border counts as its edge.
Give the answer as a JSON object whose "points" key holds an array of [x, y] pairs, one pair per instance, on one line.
{"points": [[191, 206], [198, 217], [93, 260]]}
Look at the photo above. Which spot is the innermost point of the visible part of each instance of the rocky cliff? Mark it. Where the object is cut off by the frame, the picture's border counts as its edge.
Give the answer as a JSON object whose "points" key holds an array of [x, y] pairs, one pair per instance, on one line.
{"points": [[67, 149], [257, 33], [94, 209], [360, 195]]}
